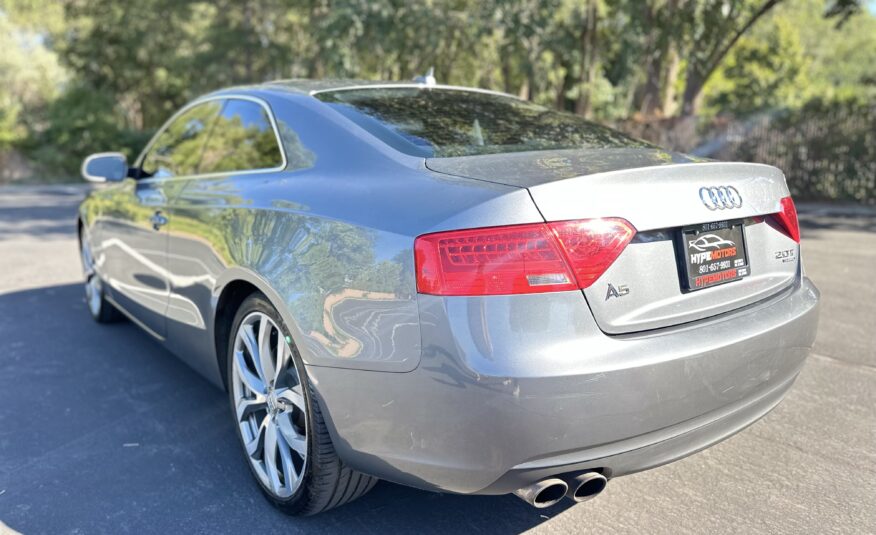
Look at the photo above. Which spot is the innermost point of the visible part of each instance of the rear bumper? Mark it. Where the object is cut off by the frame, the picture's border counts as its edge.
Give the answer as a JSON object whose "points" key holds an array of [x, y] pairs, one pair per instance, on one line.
{"points": [[650, 450], [511, 389]]}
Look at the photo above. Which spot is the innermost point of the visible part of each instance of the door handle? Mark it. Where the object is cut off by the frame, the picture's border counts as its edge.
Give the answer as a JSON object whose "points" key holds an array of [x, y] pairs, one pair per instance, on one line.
{"points": [[157, 220]]}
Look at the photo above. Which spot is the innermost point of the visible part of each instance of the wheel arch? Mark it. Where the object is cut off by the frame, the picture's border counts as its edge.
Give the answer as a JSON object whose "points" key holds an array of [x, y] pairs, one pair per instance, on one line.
{"points": [[229, 292]]}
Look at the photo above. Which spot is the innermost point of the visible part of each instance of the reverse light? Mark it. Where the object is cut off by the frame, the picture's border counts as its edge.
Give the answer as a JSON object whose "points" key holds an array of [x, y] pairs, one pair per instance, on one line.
{"points": [[787, 217], [519, 259]]}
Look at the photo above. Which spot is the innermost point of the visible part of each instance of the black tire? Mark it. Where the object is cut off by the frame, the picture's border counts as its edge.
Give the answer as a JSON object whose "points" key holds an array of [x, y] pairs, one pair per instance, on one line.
{"points": [[327, 482], [102, 311], [108, 312]]}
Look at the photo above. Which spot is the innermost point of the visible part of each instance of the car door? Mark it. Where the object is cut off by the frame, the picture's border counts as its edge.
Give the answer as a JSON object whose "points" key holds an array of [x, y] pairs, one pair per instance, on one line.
{"points": [[135, 229], [243, 147]]}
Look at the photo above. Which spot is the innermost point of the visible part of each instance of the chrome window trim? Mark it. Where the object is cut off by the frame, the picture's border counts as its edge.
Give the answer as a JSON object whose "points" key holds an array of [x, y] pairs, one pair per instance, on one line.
{"points": [[413, 85], [225, 96]]}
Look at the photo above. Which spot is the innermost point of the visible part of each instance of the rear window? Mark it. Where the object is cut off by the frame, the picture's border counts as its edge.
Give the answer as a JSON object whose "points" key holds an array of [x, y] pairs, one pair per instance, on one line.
{"points": [[438, 122]]}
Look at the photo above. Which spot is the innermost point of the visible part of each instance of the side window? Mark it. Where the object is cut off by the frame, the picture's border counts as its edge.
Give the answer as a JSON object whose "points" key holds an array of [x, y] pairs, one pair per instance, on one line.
{"points": [[242, 139], [177, 150]]}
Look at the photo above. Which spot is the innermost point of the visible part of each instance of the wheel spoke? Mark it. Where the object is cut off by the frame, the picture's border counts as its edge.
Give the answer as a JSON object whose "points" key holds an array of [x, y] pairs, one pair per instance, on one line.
{"points": [[254, 446], [292, 396], [296, 441], [270, 457], [282, 356], [245, 407], [250, 380], [289, 474], [249, 341], [265, 357]]}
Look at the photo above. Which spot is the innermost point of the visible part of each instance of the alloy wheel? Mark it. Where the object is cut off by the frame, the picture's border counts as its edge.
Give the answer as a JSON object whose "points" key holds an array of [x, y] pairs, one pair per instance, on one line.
{"points": [[269, 404], [93, 287]]}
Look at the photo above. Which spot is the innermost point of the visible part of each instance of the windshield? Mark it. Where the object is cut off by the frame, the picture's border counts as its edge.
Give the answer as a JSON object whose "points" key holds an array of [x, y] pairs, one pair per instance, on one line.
{"points": [[439, 122]]}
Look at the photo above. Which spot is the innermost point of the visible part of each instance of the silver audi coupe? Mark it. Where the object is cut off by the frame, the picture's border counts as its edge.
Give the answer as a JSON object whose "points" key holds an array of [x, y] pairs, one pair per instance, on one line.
{"points": [[449, 288]]}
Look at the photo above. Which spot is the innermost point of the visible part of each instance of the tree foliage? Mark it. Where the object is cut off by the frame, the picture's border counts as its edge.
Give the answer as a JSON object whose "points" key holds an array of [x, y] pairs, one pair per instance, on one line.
{"points": [[763, 71], [30, 74], [793, 56], [79, 73]]}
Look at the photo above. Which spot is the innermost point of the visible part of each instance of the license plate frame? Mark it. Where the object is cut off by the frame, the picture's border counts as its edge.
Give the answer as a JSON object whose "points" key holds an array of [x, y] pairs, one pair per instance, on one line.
{"points": [[712, 254]]}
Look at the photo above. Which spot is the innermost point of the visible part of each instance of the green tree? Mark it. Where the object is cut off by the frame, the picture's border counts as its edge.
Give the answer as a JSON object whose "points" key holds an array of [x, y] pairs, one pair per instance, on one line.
{"points": [[125, 65], [711, 28], [81, 121], [793, 55], [138, 51], [32, 77], [766, 69]]}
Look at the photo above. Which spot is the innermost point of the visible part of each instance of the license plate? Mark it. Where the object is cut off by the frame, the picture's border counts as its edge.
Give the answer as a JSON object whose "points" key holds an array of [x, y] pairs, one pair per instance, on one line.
{"points": [[714, 253]]}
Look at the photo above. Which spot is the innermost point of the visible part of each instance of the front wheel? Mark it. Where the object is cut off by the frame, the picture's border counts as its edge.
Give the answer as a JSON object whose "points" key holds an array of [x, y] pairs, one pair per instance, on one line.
{"points": [[101, 310], [278, 421]]}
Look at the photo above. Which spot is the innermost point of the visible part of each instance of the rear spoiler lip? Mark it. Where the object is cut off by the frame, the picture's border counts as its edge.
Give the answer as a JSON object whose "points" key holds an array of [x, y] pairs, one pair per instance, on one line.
{"points": [[534, 168], [653, 198]]}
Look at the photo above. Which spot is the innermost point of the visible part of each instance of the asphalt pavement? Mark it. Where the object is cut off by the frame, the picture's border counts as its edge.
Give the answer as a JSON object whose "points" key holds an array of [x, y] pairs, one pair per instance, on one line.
{"points": [[103, 431]]}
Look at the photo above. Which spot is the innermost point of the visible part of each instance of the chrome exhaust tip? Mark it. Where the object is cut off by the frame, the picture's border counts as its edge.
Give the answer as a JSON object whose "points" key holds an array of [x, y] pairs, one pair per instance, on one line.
{"points": [[543, 493], [586, 486]]}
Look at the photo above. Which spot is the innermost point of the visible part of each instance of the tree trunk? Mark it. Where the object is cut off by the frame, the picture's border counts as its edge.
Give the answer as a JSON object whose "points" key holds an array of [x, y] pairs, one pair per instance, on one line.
{"points": [[248, 44], [589, 64], [524, 91], [650, 104], [692, 97], [315, 66], [699, 72], [670, 75], [646, 99], [562, 101], [506, 73]]}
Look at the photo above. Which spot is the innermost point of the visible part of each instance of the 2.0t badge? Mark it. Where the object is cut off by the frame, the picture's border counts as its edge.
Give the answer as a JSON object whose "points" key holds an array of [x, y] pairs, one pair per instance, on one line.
{"points": [[787, 255]]}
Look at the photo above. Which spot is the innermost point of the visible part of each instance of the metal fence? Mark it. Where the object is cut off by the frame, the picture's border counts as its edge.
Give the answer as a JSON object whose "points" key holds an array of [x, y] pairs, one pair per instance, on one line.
{"points": [[827, 151]]}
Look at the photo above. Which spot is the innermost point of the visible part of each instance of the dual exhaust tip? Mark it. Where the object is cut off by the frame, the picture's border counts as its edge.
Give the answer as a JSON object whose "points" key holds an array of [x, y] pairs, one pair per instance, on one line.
{"points": [[547, 492]]}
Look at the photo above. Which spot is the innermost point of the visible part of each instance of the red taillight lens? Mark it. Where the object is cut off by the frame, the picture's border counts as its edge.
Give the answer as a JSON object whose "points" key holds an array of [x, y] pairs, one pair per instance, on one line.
{"points": [[500, 260], [592, 245], [788, 218], [519, 259]]}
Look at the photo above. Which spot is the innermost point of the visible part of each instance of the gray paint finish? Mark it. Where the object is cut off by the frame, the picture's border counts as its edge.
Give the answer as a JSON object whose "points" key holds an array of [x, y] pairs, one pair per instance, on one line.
{"points": [[528, 169], [281, 231], [486, 392], [657, 298], [664, 194], [661, 197], [498, 392]]}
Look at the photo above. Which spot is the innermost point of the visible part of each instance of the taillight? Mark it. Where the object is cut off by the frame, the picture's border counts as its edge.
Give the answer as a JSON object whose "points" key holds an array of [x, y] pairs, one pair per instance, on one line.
{"points": [[519, 259], [592, 245], [788, 218]]}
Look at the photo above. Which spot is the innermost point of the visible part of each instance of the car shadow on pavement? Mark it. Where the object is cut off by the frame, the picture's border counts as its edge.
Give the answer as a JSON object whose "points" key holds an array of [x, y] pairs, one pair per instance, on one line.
{"points": [[102, 430]]}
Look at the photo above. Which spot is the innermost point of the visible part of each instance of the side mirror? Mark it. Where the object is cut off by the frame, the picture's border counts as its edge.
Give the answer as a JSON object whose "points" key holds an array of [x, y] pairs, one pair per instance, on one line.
{"points": [[105, 167]]}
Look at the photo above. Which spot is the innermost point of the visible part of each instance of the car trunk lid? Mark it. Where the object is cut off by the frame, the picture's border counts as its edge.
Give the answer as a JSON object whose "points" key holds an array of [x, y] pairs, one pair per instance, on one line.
{"points": [[651, 284]]}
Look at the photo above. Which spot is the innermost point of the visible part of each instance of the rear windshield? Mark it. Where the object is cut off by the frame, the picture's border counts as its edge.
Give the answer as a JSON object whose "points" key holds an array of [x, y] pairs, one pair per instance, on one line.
{"points": [[438, 122]]}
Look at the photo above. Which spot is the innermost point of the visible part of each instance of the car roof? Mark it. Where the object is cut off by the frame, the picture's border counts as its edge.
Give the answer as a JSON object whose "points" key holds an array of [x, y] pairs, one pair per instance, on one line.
{"points": [[310, 87], [305, 85]]}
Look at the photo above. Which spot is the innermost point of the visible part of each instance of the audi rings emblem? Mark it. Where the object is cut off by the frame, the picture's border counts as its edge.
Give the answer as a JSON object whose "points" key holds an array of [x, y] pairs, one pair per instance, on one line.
{"points": [[720, 197]]}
